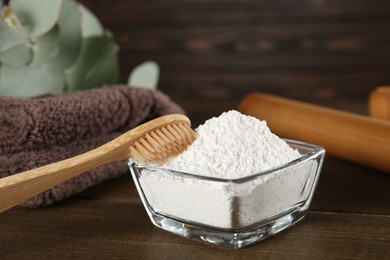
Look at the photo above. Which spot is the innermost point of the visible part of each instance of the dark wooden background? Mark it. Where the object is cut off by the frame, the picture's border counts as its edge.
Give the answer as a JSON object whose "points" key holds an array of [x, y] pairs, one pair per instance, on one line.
{"points": [[220, 50]]}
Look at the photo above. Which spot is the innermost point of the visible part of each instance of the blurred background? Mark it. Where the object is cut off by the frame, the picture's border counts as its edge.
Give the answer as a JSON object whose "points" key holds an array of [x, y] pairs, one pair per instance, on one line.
{"points": [[212, 53]]}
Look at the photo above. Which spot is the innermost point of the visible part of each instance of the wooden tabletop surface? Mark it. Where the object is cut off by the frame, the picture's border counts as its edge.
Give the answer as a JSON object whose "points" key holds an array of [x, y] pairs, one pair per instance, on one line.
{"points": [[349, 219]]}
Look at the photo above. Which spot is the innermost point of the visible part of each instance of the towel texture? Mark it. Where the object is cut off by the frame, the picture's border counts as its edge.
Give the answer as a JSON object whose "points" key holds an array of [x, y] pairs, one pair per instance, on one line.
{"points": [[36, 132]]}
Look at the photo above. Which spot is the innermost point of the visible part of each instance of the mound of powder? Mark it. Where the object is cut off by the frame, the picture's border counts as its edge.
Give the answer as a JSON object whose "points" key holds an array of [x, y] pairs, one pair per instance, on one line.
{"points": [[233, 145]]}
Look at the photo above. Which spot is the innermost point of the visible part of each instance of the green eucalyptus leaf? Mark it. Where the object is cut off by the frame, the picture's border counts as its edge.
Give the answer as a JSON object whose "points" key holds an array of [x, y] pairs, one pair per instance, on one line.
{"points": [[145, 75], [90, 25], [42, 49], [106, 72], [94, 50], [30, 82], [45, 47], [69, 42], [37, 16], [16, 56], [8, 37]]}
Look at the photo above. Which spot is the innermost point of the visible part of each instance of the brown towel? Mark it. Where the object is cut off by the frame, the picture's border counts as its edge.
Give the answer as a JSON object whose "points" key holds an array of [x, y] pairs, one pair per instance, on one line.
{"points": [[36, 132], [27, 124]]}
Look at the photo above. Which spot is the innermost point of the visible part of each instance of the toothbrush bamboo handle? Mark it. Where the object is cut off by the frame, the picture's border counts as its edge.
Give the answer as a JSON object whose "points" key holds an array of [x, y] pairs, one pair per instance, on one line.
{"points": [[346, 135], [18, 188]]}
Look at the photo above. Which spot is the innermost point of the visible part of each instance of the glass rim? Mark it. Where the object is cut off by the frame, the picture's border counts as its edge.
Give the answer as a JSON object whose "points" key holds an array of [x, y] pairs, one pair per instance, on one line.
{"points": [[314, 152]]}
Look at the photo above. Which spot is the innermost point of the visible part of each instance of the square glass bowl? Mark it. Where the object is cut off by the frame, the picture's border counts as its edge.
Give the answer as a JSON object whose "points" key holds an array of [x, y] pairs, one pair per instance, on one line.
{"points": [[230, 212]]}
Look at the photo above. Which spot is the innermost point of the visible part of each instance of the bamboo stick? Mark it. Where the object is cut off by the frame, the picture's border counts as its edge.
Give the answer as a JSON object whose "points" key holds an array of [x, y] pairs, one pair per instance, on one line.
{"points": [[353, 137], [379, 103]]}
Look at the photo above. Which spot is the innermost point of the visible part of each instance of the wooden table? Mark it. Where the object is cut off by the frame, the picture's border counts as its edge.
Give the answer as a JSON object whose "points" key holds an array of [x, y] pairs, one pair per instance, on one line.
{"points": [[349, 218]]}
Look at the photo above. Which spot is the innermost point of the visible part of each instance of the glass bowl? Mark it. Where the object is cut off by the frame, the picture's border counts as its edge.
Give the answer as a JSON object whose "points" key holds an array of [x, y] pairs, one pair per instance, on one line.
{"points": [[230, 212]]}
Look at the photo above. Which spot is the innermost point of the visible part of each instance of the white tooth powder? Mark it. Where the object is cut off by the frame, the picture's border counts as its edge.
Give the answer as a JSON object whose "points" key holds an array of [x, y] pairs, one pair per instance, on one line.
{"points": [[230, 146]]}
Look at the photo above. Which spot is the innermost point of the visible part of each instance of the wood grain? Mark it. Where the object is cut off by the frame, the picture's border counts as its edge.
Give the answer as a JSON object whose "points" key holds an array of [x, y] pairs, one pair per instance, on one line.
{"points": [[306, 49]]}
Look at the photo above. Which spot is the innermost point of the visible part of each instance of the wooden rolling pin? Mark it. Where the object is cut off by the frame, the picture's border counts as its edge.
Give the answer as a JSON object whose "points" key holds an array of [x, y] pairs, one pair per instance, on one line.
{"points": [[379, 103], [353, 137]]}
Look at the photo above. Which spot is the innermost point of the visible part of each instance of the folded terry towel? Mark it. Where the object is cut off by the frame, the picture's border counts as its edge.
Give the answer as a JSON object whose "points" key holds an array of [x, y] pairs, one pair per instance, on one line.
{"points": [[36, 132], [27, 124]]}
